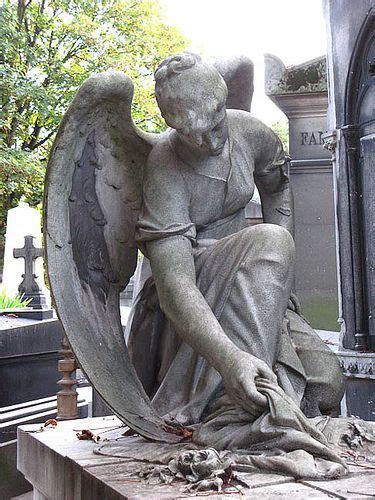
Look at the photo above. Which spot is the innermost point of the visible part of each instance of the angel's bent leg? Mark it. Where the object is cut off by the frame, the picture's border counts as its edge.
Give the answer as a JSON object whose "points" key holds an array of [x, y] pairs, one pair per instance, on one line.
{"points": [[256, 293]]}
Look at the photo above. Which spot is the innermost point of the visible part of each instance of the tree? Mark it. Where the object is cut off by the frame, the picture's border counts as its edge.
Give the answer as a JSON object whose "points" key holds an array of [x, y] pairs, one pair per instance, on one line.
{"points": [[47, 49], [282, 130]]}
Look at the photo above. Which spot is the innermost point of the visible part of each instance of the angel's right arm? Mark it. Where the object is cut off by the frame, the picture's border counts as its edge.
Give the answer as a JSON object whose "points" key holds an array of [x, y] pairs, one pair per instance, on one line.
{"points": [[173, 269], [165, 232]]}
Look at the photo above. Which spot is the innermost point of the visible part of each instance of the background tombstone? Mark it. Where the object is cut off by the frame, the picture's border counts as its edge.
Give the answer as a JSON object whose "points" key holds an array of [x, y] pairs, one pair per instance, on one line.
{"points": [[21, 221], [351, 121], [301, 93], [29, 287]]}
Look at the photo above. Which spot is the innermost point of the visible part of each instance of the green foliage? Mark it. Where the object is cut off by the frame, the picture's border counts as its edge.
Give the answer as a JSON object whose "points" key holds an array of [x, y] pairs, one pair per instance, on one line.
{"points": [[21, 175], [17, 302], [282, 130], [47, 49]]}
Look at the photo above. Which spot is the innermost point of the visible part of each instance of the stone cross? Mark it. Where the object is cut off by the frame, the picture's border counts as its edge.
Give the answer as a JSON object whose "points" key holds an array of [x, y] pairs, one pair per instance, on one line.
{"points": [[29, 286], [21, 220]]}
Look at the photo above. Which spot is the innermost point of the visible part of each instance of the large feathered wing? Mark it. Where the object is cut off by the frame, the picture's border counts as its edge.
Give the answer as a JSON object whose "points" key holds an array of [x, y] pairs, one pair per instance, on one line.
{"points": [[92, 200], [238, 74]]}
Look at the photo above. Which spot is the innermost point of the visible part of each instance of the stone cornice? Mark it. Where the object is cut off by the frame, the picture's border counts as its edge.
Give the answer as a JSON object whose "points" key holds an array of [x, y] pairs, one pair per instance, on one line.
{"points": [[310, 76], [306, 105], [311, 166], [357, 364]]}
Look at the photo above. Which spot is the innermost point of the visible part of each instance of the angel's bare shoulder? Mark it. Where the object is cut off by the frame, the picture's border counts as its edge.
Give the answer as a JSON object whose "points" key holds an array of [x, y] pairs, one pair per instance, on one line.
{"points": [[161, 168], [161, 150], [261, 140], [247, 127]]}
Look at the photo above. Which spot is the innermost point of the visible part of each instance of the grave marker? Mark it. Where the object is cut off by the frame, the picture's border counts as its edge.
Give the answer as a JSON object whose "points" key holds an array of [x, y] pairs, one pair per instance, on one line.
{"points": [[21, 221], [301, 93], [29, 287]]}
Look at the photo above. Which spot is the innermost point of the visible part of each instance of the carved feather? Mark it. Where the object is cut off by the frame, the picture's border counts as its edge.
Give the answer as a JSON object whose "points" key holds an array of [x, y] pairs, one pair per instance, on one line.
{"points": [[93, 195], [87, 221]]}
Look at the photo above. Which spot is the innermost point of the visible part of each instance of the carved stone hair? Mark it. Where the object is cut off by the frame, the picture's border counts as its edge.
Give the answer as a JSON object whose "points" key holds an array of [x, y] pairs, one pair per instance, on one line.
{"points": [[185, 77], [176, 64]]}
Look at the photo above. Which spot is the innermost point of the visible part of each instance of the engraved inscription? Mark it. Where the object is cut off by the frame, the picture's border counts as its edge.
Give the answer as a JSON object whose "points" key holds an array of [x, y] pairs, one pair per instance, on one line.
{"points": [[312, 138]]}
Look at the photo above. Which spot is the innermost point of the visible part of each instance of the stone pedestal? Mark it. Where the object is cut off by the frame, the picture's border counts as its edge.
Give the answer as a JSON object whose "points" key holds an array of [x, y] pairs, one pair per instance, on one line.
{"points": [[28, 359], [301, 93], [61, 467]]}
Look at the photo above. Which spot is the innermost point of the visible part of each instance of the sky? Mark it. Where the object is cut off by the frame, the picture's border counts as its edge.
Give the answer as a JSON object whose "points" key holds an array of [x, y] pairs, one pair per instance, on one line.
{"points": [[293, 30]]}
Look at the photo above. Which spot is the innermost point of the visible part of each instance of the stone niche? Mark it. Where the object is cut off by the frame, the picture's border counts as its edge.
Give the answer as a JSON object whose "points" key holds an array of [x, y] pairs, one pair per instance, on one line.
{"points": [[301, 93], [351, 121]]}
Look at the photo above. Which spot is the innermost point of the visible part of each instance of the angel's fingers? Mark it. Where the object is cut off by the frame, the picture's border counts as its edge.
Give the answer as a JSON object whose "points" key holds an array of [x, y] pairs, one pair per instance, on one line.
{"points": [[255, 396], [245, 402], [268, 374]]}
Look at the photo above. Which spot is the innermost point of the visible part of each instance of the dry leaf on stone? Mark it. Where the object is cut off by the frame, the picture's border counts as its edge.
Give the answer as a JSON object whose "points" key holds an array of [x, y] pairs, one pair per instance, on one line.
{"points": [[86, 434]]}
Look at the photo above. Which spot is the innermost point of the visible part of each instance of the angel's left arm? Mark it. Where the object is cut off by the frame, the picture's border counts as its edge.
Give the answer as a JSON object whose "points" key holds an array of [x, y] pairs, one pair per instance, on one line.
{"points": [[272, 180]]}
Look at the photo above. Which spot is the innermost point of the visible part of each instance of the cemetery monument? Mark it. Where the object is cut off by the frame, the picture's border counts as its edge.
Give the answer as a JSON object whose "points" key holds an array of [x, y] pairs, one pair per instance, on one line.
{"points": [[351, 140], [300, 91], [219, 354]]}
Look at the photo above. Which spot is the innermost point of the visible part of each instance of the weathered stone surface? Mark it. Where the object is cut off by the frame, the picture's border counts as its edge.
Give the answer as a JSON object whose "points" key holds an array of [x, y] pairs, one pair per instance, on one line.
{"points": [[351, 140], [359, 485], [312, 181], [238, 74], [310, 76], [12, 481], [104, 100], [28, 359], [234, 363], [350, 33], [78, 473]]}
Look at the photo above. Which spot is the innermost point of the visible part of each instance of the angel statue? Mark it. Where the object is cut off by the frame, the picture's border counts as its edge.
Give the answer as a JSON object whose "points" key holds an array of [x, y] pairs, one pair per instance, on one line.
{"points": [[216, 345]]}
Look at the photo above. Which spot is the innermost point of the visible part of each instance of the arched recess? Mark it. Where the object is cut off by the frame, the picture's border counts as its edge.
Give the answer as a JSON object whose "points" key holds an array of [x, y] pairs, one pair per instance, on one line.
{"points": [[359, 145], [361, 81]]}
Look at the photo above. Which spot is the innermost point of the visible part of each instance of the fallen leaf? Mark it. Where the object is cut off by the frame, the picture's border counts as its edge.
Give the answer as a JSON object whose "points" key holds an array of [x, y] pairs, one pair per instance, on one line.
{"points": [[179, 431], [86, 434], [51, 422]]}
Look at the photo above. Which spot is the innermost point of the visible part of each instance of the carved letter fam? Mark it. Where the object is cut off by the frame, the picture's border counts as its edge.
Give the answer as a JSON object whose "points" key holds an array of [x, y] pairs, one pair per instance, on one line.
{"points": [[311, 138]]}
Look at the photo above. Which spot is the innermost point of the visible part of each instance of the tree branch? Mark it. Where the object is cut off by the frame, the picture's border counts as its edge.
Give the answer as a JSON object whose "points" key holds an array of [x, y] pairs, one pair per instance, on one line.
{"points": [[45, 139], [49, 58], [37, 29], [14, 123], [26, 24], [21, 9], [34, 137], [74, 49]]}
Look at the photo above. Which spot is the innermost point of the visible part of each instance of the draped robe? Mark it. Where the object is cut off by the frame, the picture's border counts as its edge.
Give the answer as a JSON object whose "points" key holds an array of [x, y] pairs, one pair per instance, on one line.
{"points": [[205, 204]]}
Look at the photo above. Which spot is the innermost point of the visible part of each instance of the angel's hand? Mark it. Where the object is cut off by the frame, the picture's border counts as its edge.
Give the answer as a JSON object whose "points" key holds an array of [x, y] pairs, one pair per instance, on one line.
{"points": [[239, 377]]}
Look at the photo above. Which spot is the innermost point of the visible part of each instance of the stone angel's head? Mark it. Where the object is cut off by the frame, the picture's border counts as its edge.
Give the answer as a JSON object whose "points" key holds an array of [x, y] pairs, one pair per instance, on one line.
{"points": [[191, 95]]}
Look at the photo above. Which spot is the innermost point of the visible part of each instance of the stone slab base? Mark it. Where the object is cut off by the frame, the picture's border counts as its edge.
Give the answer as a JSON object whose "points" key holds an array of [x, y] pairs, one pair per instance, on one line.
{"points": [[60, 467]]}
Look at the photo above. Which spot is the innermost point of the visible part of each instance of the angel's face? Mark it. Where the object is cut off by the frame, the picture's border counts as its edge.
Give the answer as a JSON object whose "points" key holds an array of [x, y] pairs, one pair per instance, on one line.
{"points": [[204, 130]]}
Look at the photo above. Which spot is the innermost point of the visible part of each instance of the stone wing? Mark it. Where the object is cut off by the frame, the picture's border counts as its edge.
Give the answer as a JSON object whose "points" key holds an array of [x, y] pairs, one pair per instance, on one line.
{"points": [[92, 200], [238, 74]]}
